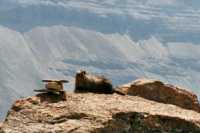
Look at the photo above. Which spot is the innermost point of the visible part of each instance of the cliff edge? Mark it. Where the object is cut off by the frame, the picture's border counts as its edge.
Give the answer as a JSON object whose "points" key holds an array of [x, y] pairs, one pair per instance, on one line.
{"points": [[97, 113]]}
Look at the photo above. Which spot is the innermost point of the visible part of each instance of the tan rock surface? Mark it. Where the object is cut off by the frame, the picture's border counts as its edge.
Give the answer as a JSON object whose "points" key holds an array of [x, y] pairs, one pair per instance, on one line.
{"points": [[1, 125], [160, 92], [98, 113]]}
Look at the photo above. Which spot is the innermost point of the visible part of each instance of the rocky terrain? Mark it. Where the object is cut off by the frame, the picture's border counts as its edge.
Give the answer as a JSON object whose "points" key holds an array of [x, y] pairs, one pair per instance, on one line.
{"points": [[161, 92], [97, 113]]}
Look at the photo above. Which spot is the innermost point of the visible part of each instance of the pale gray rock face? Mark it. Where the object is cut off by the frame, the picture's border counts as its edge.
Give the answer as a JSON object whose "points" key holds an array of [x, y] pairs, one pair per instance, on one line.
{"points": [[121, 40]]}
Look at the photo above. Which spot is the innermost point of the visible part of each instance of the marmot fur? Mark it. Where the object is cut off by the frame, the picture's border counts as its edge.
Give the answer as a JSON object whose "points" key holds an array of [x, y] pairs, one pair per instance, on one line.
{"points": [[92, 83]]}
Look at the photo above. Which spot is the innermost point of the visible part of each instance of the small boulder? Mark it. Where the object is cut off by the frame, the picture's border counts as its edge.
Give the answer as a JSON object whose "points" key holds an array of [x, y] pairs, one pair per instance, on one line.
{"points": [[160, 92]]}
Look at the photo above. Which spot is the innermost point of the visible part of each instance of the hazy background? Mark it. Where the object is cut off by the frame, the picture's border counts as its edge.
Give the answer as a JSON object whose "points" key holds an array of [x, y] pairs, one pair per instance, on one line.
{"points": [[121, 39]]}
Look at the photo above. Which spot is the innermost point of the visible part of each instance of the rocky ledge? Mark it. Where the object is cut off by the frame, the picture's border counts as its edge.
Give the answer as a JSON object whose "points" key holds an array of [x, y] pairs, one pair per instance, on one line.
{"points": [[161, 92], [98, 113]]}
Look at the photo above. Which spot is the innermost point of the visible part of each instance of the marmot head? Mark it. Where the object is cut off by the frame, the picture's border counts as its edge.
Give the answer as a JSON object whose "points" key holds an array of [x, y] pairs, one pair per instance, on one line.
{"points": [[81, 73], [81, 76]]}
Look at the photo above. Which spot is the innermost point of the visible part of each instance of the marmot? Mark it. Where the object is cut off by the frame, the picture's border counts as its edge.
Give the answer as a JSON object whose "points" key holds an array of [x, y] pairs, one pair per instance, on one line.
{"points": [[93, 83]]}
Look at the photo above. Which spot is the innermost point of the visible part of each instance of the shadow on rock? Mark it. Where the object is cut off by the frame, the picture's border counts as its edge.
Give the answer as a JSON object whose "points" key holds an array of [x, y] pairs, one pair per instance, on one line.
{"points": [[143, 123], [51, 97]]}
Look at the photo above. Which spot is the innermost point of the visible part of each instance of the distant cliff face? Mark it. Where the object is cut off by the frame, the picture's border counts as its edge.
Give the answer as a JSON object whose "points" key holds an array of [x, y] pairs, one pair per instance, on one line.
{"points": [[97, 113]]}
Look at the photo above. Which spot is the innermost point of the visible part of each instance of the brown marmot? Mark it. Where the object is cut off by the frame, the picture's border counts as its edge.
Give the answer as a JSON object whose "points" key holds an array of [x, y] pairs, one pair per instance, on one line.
{"points": [[93, 83]]}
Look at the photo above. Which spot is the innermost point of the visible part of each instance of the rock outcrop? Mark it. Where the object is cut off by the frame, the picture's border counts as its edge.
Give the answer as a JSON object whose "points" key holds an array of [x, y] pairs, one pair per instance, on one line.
{"points": [[97, 113], [160, 92], [1, 125]]}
